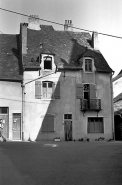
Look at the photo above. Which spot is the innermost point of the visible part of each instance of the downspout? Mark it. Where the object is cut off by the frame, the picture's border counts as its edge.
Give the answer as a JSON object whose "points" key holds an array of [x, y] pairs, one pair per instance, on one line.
{"points": [[23, 103], [23, 109], [112, 109]]}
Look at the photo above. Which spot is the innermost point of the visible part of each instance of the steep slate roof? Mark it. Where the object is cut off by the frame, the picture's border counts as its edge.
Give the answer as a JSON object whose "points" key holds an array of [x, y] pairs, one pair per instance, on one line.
{"points": [[66, 46], [9, 58]]}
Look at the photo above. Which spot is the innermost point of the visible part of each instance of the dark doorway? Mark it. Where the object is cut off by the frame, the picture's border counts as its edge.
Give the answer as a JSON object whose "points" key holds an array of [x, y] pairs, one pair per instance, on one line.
{"points": [[118, 127], [68, 127]]}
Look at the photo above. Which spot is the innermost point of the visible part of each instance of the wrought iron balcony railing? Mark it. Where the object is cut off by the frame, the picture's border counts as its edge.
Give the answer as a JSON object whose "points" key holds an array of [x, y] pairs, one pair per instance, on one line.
{"points": [[92, 104]]}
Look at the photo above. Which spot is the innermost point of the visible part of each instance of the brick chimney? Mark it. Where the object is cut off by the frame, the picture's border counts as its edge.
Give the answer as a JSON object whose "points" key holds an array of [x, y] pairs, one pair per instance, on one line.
{"points": [[68, 25], [95, 42], [33, 22], [23, 35]]}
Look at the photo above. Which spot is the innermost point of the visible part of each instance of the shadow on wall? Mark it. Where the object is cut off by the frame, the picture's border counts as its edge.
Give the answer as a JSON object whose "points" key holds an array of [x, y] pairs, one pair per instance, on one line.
{"points": [[52, 123]]}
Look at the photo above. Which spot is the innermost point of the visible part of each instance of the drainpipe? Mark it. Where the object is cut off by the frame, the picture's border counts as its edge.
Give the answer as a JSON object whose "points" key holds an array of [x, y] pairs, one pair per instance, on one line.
{"points": [[112, 110], [23, 109], [23, 103]]}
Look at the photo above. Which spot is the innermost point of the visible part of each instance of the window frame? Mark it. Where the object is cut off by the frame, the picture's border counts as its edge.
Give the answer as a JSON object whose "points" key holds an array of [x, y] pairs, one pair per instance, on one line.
{"points": [[47, 89], [92, 65], [45, 59], [42, 65], [95, 132]]}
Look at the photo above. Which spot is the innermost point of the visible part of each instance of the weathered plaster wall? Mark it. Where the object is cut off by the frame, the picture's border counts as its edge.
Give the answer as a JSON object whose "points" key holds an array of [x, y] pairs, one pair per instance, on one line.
{"points": [[35, 109], [11, 97]]}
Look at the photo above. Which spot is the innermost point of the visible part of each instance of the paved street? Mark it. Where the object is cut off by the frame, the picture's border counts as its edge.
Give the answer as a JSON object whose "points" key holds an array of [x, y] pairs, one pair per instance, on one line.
{"points": [[61, 163]]}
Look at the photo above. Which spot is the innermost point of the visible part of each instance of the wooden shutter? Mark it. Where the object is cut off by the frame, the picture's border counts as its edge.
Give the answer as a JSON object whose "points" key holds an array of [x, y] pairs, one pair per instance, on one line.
{"points": [[48, 124], [57, 91], [37, 89], [92, 91], [79, 91]]}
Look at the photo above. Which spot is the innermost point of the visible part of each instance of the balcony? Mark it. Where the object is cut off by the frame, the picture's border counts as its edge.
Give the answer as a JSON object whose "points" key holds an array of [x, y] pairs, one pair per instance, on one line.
{"points": [[92, 104]]}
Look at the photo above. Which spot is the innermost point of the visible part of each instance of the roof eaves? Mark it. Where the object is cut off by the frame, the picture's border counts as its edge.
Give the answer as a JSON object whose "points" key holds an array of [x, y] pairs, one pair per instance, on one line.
{"points": [[11, 79]]}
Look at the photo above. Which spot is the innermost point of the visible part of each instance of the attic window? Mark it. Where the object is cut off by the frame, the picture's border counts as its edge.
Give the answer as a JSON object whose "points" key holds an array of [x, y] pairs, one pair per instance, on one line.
{"points": [[48, 63], [88, 65]]}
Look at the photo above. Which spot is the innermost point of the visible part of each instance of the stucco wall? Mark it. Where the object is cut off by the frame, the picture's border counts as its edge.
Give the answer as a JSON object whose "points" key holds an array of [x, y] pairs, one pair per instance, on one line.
{"points": [[11, 97], [35, 109]]}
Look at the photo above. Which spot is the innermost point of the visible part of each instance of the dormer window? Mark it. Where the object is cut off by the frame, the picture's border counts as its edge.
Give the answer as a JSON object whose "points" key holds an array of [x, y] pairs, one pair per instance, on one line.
{"points": [[47, 63], [88, 65]]}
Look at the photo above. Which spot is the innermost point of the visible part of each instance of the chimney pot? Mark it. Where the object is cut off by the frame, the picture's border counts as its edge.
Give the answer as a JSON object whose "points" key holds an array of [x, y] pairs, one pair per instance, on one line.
{"points": [[33, 21], [68, 25]]}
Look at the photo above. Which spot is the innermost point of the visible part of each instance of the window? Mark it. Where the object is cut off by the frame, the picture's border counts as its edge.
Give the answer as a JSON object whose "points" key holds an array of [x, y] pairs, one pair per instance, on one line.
{"points": [[67, 116], [3, 110], [47, 88], [95, 125], [47, 63], [88, 65], [86, 91], [48, 123]]}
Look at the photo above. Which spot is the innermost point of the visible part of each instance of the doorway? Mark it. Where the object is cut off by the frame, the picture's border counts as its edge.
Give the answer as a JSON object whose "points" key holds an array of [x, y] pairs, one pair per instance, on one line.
{"points": [[5, 120], [118, 127], [16, 129], [68, 127]]}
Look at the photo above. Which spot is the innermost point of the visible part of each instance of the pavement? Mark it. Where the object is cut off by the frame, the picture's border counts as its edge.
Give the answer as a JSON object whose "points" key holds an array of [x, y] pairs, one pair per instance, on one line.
{"points": [[61, 163]]}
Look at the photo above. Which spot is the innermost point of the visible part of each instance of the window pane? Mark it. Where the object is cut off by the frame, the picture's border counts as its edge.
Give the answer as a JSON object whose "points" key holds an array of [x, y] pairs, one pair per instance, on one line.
{"points": [[50, 84], [88, 65], [67, 116], [47, 63], [47, 89], [44, 84], [3, 110]]}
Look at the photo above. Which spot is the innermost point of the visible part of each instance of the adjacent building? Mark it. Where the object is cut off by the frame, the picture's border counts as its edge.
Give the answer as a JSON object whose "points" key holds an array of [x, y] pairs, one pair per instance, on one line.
{"points": [[117, 90]]}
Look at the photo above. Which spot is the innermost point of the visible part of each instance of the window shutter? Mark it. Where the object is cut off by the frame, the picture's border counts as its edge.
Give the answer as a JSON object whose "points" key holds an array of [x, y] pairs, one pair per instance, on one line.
{"points": [[92, 91], [37, 89], [79, 91], [51, 123], [48, 124], [57, 91]]}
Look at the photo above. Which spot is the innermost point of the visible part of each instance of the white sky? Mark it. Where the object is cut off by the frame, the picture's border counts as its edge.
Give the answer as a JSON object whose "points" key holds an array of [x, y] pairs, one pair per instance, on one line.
{"points": [[96, 15]]}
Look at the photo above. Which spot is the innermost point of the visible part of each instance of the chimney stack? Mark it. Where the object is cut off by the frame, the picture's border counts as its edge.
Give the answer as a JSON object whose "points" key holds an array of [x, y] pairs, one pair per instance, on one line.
{"points": [[23, 35], [33, 22], [95, 42], [68, 25]]}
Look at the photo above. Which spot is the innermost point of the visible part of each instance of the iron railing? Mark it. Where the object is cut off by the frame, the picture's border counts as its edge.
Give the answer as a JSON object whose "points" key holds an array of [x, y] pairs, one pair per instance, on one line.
{"points": [[92, 104]]}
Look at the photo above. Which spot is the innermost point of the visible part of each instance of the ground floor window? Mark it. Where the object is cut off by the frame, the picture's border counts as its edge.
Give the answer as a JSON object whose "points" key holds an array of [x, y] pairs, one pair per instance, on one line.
{"points": [[3, 110], [48, 124], [95, 125]]}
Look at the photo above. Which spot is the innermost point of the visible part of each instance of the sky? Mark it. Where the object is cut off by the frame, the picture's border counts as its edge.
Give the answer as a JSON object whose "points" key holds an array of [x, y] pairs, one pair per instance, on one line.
{"points": [[104, 16]]}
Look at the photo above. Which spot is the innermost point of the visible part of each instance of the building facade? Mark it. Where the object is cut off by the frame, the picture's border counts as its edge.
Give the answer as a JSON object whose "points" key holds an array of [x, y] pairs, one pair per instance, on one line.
{"points": [[66, 85]]}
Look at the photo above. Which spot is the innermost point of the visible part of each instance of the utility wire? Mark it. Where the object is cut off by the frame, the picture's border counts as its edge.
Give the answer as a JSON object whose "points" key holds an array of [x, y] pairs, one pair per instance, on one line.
{"points": [[1, 32], [60, 23]]}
